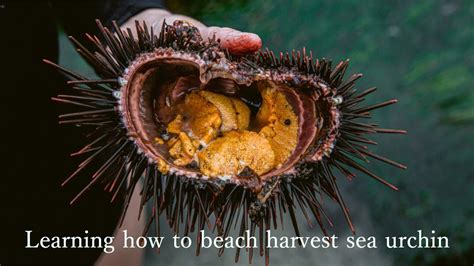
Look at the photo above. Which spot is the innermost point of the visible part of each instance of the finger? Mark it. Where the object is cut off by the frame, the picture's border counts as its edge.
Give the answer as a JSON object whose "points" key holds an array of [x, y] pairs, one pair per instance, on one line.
{"points": [[235, 41]]}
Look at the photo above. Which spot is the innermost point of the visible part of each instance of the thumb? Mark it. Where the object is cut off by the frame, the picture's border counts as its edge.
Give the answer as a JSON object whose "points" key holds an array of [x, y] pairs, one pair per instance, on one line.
{"points": [[237, 42]]}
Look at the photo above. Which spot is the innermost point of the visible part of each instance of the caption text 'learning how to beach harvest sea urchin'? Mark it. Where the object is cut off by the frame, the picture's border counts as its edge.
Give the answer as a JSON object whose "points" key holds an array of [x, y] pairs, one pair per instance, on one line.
{"points": [[418, 240]]}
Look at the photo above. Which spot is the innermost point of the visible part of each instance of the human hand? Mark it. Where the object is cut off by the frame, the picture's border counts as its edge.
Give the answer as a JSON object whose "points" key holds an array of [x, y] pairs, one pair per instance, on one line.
{"points": [[237, 42]]}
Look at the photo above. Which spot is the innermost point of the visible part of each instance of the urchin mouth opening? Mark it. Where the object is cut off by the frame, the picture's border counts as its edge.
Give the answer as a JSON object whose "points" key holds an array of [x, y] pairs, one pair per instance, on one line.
{"points": [[218, 129]]}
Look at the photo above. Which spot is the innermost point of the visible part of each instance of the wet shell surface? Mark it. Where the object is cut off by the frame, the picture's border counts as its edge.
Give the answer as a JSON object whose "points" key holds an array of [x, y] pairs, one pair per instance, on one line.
{"points": [[219, 140]]}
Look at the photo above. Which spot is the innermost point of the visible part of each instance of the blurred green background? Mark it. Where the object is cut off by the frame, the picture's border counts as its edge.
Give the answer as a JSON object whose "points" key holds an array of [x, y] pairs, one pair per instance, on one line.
{"points": [[421, 52]]}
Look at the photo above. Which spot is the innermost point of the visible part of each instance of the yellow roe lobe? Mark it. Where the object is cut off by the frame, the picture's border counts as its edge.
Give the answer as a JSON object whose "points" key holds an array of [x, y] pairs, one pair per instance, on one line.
{"points": [[234, 113], [230, 154], [197, 117], [162, 166], [278, 124]]}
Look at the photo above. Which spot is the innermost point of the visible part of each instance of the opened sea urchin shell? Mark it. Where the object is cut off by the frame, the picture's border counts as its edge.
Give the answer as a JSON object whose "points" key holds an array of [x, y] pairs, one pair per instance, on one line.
{"points": [[241, 140]]}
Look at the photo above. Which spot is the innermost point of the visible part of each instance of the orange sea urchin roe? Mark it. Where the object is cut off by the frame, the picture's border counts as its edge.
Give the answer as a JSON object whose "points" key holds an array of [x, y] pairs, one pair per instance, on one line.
{"points": [[197, 117], [201, 117], [278, 124], [230, 154], [220, 124], [197, 121], [235, 114]]}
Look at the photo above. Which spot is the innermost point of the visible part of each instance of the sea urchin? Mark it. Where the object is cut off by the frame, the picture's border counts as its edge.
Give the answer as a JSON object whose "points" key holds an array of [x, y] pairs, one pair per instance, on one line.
{"points": [[219, 140]]}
